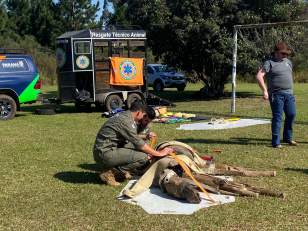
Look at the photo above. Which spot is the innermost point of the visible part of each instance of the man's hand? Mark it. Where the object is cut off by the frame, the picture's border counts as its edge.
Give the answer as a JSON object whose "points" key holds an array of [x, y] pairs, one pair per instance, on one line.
{"points": [[152, 153], [166, 151], [265, 95]]}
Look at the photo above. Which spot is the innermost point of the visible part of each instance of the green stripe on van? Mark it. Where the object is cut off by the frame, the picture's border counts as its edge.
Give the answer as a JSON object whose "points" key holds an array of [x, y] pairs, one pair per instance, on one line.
{"points": [[30, 94]]}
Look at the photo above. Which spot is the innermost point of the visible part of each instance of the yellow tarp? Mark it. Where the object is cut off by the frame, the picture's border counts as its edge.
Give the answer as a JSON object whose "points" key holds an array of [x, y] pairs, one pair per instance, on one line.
{"points": [[126, 71]]}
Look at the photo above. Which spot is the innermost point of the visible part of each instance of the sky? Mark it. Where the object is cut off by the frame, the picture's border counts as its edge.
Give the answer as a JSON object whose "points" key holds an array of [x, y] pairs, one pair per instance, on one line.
{"points": [[101, 3]]}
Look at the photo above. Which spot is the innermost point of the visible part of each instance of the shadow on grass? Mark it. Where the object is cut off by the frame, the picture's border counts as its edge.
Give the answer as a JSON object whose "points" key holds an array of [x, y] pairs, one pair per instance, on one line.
{"points": [[20, 115], [235, 140], [79, 177], [185, 96], [302, 170], [91, 167], [59, 108]]}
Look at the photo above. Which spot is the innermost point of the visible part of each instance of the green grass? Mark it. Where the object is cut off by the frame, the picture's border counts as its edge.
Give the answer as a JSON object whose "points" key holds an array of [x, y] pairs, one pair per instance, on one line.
{"points": [[48, 180]]}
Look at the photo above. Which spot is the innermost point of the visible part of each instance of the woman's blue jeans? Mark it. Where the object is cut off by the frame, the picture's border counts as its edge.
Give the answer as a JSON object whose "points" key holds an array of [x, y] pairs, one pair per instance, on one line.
{"points": [[281, 102]]}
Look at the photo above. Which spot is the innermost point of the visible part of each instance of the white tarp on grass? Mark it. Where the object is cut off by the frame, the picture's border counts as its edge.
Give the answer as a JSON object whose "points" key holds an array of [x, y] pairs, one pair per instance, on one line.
{"points": [[224, 125], [154, 201]]}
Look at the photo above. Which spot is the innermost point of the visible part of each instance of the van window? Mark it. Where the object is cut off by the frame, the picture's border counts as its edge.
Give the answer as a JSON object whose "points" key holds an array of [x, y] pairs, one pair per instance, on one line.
{"points": [[82, 47], [160, 68], [10, 65]]}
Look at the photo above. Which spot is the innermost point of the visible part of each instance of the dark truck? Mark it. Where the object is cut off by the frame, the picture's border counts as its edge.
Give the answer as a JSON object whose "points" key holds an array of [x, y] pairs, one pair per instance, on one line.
{"points": [[105, 68]]}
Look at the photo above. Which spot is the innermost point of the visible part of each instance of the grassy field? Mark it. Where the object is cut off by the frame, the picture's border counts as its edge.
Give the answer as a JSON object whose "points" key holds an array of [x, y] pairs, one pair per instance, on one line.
{"points": [[48, 179]]}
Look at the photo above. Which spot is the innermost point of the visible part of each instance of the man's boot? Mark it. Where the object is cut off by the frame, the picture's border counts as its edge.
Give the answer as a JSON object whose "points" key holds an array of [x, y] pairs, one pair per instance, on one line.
{"points": [[121, 175], [108, 178], [127, 175]]}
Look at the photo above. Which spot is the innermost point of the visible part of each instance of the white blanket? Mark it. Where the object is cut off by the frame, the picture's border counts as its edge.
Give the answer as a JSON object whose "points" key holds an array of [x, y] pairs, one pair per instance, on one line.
{"points": [[154, 201], [226, 125]]}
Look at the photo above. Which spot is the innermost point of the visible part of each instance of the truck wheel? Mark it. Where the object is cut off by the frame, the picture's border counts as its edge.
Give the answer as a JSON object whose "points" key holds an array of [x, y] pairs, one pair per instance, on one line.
{"points": [[113, 102], [132, 98], [158, 85], [181, 87], [7, 107]]}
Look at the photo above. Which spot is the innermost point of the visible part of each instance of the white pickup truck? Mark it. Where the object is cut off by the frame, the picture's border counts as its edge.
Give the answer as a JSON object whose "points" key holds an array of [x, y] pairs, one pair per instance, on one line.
{"points": [[160, 77]]}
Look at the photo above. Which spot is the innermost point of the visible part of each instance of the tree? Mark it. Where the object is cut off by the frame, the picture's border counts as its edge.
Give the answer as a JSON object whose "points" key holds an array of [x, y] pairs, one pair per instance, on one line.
{"points": [[3, 16], [36, 18], [19, 12], [106, 14], [119, 18], [77, 14], [45, 19], [44, 26], [196, 35]]}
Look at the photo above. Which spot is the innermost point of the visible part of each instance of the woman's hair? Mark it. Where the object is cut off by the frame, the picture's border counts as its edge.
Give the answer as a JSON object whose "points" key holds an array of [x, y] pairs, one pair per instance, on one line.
{"points": [[150, 112]]}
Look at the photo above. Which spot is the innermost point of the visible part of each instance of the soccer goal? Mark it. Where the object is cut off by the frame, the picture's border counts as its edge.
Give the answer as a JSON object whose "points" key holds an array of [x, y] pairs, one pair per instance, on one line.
{"points": [[253, 44]]}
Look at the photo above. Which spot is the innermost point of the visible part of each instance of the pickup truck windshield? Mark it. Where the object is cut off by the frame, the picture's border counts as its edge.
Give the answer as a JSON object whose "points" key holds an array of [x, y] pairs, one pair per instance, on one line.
{"points": [[161, 68]]}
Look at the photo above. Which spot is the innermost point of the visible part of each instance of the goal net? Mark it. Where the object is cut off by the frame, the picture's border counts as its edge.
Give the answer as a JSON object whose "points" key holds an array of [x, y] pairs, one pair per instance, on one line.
{"points": [[254, 43]]}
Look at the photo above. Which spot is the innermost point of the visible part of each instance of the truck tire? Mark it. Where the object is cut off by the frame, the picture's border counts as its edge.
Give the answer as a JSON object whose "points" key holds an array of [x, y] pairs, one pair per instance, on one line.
{"points": [[132, 98], [8, 107], [113, 102], [158, 86]]}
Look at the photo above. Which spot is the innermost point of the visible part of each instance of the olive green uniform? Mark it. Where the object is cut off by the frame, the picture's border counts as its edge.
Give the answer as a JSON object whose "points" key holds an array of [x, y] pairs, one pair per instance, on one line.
{"points": [[117, 144]]}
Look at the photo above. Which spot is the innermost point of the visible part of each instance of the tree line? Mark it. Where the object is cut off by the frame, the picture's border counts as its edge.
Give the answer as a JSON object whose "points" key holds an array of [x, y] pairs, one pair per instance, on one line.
{"points": [[45, 19], [192, 35]]}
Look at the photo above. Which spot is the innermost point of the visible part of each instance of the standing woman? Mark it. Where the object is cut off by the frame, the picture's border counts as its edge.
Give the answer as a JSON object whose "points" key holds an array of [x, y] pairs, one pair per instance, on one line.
{"points": [[278, 72]]}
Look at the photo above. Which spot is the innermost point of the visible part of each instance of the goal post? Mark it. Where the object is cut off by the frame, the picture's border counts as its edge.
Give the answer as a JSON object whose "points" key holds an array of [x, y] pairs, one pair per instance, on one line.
{"points": [[260, 39]]}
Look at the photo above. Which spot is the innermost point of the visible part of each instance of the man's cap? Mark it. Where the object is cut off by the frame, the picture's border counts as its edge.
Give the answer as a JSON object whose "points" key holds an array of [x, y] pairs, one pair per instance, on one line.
{"points": [[282, 47]]}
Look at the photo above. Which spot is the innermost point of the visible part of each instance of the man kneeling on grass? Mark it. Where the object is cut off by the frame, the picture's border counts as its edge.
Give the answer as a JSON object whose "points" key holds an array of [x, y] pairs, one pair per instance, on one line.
{"points": [[118, 148]]}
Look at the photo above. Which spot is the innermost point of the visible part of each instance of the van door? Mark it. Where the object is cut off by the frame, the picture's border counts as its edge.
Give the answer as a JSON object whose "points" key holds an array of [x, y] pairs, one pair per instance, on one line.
{"points": [[83, 70], [66, 78]]}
